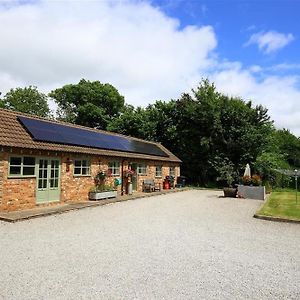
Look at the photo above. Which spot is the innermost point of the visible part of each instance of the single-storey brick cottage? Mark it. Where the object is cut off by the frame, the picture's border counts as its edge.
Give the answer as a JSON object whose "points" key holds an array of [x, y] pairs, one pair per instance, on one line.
{"points": [[44, 161]]}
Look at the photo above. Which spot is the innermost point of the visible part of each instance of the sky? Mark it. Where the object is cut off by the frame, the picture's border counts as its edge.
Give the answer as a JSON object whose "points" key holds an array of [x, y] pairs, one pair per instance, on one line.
{"points": [[159, 49]]}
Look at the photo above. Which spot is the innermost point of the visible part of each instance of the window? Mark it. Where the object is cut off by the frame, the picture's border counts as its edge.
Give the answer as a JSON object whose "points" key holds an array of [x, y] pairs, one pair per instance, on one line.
{"points": [[114, 168], [142, 169], [172, 171], [81, 167], [22, 166], [158, 171]]}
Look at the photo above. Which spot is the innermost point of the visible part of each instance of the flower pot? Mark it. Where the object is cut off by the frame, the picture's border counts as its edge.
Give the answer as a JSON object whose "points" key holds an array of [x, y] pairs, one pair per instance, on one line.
{"points": [[230, 192], [102, 195]]}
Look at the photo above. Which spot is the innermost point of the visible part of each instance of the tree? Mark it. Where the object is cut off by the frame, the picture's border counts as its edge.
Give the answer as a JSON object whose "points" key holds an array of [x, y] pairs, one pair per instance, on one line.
{"points": [[289, 146], [216, 128], [131, 121], [27, 100], [88, 103], [204, 128]]}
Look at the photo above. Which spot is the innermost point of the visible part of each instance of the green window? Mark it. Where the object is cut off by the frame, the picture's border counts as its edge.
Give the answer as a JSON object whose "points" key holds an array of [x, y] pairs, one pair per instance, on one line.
{"points": [[114, 168], [158, 171], [82, 167], [22, 166], [142, 169]]}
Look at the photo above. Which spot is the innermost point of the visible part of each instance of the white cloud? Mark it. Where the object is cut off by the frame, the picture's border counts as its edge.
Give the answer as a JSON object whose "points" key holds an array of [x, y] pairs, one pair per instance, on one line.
{"points": [[279, 94], [135, 47], [270, 41], [132, 45]]}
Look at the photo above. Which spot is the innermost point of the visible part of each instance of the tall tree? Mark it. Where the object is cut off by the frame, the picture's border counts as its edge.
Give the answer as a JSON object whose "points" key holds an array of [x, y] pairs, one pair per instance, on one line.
{"points": [[28, 100], [289, 146], [88, 103]]}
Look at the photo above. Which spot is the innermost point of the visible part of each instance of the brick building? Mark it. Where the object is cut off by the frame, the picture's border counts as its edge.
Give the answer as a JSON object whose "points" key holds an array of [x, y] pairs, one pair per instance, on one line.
{"points": [[38, 168]]}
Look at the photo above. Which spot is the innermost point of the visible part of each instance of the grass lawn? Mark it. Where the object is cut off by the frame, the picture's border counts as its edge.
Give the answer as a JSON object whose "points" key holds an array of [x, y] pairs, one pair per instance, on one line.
{"points": [[282, 204]]}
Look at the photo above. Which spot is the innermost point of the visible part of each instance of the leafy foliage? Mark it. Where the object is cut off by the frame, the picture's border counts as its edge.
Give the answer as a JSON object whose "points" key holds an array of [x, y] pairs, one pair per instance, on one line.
{"points": [[88, 103], [213, 134], [27, 100]]}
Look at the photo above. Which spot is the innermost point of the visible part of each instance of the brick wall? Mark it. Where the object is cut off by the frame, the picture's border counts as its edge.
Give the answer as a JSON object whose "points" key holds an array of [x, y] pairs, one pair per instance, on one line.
{"points": [[17, 193], [20, 193], [1, 176]]}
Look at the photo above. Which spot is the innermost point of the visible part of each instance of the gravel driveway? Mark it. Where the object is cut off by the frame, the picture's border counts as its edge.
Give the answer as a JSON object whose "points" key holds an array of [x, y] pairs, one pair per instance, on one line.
{"points": [[187, 245]]}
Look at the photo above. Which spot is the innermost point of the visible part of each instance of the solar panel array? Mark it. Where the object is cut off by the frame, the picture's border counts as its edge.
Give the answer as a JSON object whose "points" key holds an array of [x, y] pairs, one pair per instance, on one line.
{"points": [[63, 134]]}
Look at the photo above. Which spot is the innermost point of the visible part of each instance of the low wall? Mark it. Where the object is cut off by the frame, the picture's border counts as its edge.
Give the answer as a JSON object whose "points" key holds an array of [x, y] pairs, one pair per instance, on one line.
{"points": [[252, 192]]}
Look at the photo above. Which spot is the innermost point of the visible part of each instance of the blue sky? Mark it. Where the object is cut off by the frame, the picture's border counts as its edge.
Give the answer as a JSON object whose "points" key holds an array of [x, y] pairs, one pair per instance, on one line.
{"points": [[235, 21], [156, 50]]}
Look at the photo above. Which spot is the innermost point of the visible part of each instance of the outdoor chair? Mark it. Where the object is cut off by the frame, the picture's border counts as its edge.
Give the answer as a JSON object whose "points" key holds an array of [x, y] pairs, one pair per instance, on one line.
{"points": [[148, 185]]}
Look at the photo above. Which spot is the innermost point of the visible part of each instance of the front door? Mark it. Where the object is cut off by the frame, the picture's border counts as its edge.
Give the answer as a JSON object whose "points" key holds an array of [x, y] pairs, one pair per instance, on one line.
{"points": [[48, 180], [134, 177]]}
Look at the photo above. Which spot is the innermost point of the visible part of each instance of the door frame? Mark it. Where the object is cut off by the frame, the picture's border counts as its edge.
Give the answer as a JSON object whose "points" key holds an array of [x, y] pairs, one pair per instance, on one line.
{"points": [[134, 189], [48, 189]]}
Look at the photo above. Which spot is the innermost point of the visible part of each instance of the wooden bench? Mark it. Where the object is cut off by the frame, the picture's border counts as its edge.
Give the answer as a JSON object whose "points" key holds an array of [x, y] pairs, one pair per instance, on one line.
{"points": [[149, 186]]}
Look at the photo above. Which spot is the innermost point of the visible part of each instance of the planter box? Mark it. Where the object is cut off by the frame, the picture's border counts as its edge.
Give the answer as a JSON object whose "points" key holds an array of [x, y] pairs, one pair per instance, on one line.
{"points": [[102, 195], [252, 192]]}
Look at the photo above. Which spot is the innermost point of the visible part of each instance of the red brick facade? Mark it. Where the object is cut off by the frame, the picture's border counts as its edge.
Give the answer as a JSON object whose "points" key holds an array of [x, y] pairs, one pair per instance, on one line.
{"points": [[20, 193]]}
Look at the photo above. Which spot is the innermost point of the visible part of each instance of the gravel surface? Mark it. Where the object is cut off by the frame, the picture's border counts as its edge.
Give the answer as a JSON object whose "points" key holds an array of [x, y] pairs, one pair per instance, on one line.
{"points": [[188, 245]]}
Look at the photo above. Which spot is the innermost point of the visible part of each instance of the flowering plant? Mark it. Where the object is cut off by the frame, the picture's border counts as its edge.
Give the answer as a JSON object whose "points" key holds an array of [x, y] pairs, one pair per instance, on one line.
{"points": [[100, 178], [246, 180], [256, 180], [101, 175], [128, 173]]}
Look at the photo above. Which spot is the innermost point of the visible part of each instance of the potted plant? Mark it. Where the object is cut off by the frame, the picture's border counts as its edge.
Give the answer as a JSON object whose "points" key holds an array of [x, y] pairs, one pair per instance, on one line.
{"points": [[246, 180], [227, 174], [101, 190]]}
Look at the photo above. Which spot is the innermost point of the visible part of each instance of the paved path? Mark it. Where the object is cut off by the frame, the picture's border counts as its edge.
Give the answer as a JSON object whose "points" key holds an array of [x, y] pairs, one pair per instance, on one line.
{"points": [[189, 245]]}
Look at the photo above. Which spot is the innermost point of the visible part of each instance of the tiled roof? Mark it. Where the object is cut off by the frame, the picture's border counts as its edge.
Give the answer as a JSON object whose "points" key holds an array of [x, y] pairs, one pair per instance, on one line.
{"points": [[13, 134]]}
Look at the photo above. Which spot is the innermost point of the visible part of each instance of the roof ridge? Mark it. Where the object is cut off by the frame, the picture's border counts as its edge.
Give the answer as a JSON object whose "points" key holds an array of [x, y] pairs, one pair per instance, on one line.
{"points": [[17, 113]]}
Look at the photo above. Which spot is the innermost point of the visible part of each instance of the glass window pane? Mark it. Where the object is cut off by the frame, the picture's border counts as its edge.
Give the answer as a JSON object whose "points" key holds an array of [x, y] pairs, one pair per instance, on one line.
{"points": [[51, 183], [56, 183], [28, 170], [84, 163], [77, 171], [29, 161], [40, 183], [45, 183], [45, 174], [15, 170], [15, 161], [77, 163], [84, 171]]}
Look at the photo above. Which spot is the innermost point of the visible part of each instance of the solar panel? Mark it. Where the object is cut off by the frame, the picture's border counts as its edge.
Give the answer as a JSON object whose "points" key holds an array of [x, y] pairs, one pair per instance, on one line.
{"points": [[68, 135]]}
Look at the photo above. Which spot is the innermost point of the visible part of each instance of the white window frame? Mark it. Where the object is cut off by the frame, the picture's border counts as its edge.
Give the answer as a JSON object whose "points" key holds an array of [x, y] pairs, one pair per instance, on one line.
{"points": [[142, 169], [21, 166], [114, 168], [158, 171], [82, 167], [173, 172]]}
